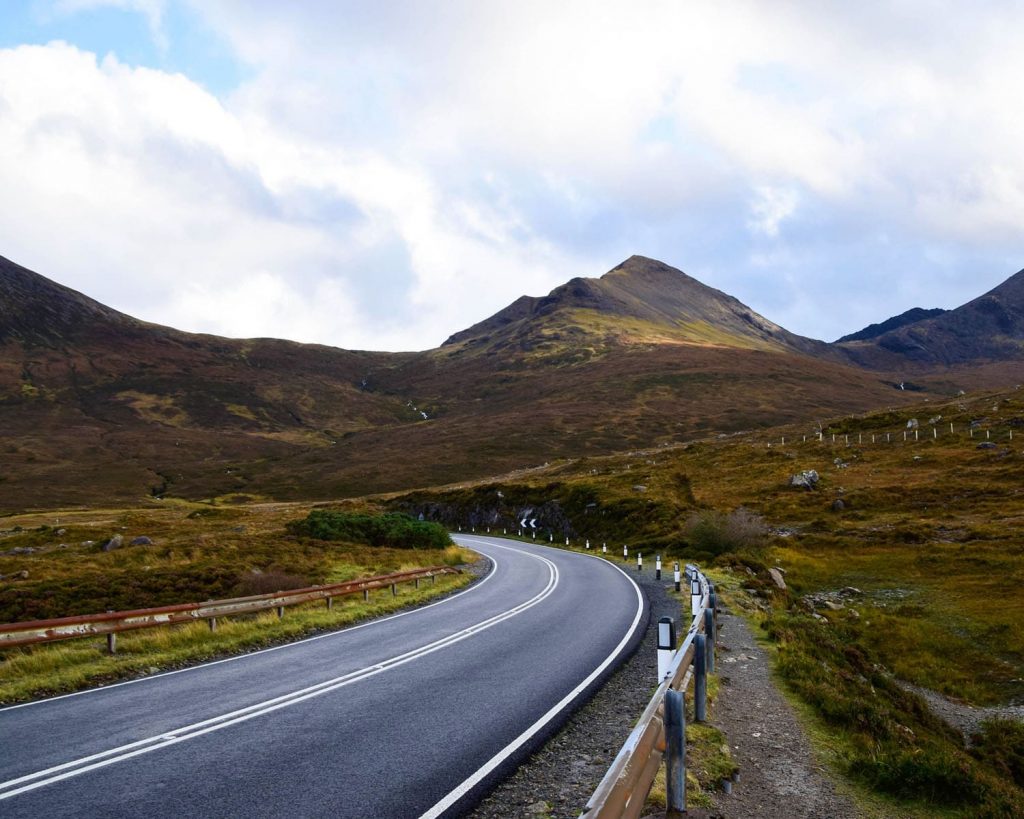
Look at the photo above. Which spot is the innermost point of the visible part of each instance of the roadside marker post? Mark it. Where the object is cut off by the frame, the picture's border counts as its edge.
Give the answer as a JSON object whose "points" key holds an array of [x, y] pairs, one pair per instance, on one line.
{"points": [[657, 567], [587, 544], [695, 597], [678, 579], [639, 562], [666, 646], [604, 548], [625, 553]]}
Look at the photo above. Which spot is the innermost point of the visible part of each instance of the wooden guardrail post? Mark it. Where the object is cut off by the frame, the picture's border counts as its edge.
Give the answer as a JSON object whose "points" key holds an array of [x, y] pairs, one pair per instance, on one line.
{"points": [[675, 752], [700, 678], [111, 639]]}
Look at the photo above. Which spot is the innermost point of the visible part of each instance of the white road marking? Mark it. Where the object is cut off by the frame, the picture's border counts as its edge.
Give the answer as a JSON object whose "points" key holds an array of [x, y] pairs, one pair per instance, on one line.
{"points": [[102, 759], [484, 770], [248, 654]]}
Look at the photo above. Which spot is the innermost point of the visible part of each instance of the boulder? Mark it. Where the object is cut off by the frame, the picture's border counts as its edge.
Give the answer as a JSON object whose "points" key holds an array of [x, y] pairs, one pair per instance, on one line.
{"points": [[912, 424], [934, 420], [986, 445], [639, 488], [838, 505], [777, 578], [116, 542], [141, 540], [808, 479]]}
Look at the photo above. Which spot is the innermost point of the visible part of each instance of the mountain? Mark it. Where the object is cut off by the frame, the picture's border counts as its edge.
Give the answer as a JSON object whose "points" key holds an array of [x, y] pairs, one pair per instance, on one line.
{"points": [[641, 300], [989, 329], [911, 316], [97, 406]]}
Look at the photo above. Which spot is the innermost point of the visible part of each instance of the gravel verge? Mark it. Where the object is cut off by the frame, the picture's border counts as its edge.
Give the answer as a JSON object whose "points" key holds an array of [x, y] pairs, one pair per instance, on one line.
{"points": [[559, 778], [779, 775]]}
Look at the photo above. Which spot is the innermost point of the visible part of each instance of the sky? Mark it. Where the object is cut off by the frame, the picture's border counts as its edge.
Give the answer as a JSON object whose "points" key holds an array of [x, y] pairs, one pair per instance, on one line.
{"points": [[381, 175]]}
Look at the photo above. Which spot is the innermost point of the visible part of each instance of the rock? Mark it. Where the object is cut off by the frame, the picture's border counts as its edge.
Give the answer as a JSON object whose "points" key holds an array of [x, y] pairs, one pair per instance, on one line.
{"points": [[831, 605], [986, 445], [851, 591], [838, 505], [817, 616], [639, 488], [840, 463], [141, 540], [912, 424], [918, 458], [22, 550], [934, 420], [808, 479], [854, 614], [777, 578], [86, 543], [116, 542], [61, 532]]}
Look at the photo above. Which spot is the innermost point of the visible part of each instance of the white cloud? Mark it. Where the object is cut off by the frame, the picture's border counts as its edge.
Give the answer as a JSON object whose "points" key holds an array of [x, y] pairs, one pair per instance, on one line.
{"points": [[454, 156]]}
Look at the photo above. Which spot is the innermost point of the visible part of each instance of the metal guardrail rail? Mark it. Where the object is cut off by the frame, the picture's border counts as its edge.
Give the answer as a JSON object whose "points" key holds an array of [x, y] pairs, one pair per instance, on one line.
{"points": [[112, 622], [659, 735]]}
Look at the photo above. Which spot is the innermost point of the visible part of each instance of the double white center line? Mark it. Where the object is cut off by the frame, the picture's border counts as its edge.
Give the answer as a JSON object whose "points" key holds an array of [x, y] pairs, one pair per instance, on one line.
{"points": [[32, 781]]}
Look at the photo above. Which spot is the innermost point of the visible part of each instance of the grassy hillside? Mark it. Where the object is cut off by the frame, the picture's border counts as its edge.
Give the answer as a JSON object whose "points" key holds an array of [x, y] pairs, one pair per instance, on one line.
{"points": [[924, 532]]}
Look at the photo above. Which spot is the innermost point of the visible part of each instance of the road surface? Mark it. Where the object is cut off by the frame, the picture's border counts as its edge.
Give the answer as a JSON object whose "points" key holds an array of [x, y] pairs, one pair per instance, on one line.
{"points": [[417, 714]]}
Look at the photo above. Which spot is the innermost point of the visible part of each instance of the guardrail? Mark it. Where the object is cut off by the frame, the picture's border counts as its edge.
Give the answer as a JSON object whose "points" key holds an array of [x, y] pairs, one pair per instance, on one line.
{"points": [[112, 622], [660, 734]]}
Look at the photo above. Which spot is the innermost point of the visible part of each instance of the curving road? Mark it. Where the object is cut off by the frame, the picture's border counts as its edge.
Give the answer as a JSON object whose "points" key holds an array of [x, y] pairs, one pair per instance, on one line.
{"points": [[412, 715]]}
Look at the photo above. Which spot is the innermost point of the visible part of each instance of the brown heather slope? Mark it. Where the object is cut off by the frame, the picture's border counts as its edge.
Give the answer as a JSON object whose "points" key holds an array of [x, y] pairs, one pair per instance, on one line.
{"points": [[97, 406]]}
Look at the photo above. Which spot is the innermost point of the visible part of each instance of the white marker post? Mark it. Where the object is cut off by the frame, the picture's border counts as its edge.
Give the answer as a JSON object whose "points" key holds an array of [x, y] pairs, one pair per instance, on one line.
{"points": [[679, 579], [587, 544], [657, 567], [695, 595], [567, 540], [639, 562], [604, 548], [666, 646], [625, 553]]}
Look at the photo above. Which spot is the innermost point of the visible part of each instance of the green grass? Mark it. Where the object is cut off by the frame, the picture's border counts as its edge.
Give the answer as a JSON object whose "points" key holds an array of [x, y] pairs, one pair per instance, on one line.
{"points": [[71, 665]]}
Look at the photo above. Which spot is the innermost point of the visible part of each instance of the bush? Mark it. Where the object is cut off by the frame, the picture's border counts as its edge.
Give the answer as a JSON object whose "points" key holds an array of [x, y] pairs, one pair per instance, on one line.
{"points": [[395, 530], [716, 533], [268, 582]]}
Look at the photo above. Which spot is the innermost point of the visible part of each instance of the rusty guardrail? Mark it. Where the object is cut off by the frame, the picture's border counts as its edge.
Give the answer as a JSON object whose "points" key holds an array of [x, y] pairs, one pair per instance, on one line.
{"points": [[659, 735], [112, 622]]}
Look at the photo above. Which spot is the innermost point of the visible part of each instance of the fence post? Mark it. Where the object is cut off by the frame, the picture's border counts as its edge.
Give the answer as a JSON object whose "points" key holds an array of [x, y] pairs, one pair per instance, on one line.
{"points": [[280, 612], [700, 678], [416, 582], [111, 639], [709, 630], [366, 595], [213, 624], [675, 752], [330, 603], [666, 646], [394, 591]]}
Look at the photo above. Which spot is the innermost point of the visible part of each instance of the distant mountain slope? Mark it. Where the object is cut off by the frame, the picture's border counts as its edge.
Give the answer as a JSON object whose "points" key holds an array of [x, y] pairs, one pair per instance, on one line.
{"points": [[640, 300], [911, 316], [98, 406], [988, 329]]}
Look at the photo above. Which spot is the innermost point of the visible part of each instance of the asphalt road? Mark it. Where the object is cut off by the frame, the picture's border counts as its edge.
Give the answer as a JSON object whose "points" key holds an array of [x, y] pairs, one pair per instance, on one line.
{"points": [[417, 714]]}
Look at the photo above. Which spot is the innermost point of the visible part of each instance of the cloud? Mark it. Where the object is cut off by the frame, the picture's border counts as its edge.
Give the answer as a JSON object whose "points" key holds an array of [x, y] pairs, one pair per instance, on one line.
{"points": [[412, 168]]}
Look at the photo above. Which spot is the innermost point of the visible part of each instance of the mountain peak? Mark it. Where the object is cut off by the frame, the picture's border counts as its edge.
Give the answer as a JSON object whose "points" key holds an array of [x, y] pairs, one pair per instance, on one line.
{"points": [[640, 300]]}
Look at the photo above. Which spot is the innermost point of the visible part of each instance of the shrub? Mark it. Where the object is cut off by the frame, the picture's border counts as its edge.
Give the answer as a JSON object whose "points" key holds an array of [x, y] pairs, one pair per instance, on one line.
{"points": [[268, 582], [395, 530], [716, 533]]}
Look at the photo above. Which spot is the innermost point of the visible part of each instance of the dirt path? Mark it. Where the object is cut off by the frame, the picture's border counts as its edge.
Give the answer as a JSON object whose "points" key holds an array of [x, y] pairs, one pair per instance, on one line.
{"points": [[779, 777], [965, 718]]}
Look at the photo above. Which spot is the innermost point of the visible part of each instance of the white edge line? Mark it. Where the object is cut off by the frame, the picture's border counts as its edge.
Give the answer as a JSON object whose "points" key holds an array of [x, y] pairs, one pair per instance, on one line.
{"points": [[174, 736], [484, 770], [233, 658]]}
